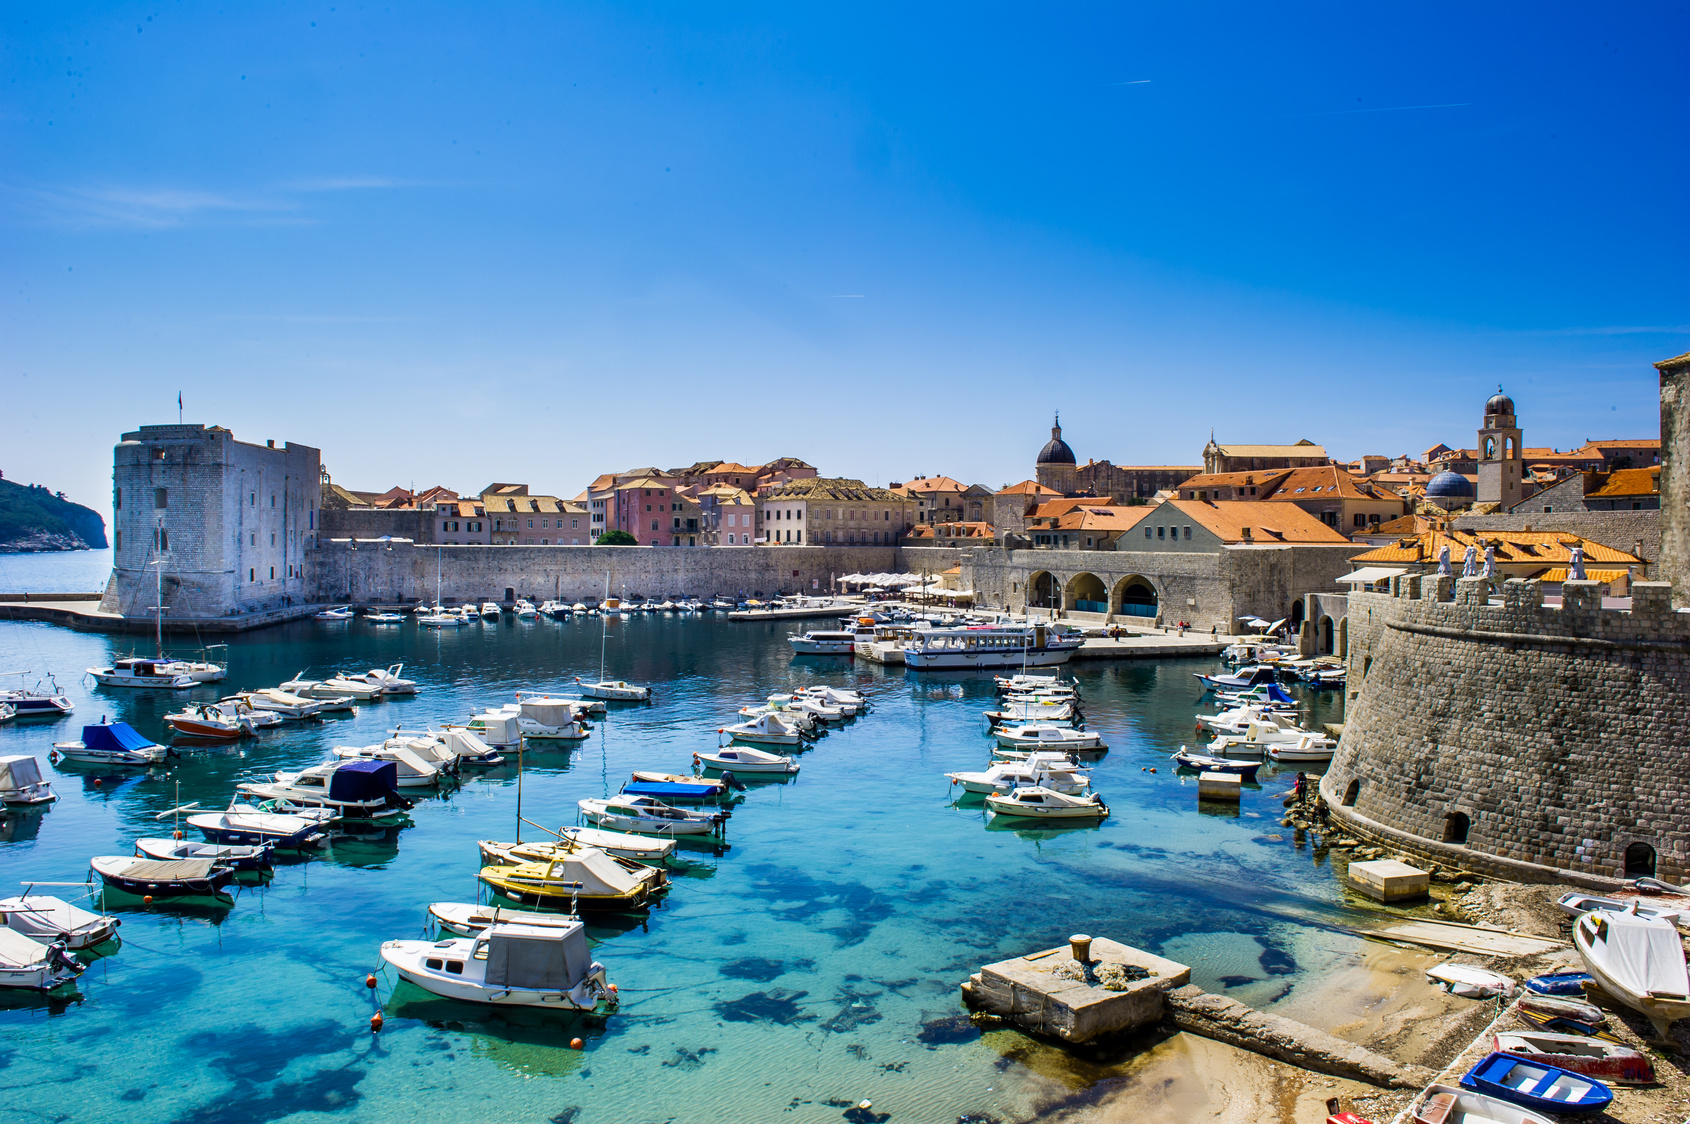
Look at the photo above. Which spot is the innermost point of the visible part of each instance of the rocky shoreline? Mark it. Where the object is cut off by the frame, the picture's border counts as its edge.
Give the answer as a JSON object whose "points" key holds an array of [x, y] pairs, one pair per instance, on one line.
{"points": [[42, 542]]}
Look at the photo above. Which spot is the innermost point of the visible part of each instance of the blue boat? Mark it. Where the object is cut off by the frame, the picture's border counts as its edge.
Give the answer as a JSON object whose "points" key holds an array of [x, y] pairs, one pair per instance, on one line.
{"points": [[113, 743], [1537, 1086], [1559, 983]]}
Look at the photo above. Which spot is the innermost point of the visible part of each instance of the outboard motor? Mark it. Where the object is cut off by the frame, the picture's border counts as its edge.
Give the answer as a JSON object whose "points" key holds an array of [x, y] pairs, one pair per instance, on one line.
{"points": [[58, 957], [394, 800], [732, 781]]}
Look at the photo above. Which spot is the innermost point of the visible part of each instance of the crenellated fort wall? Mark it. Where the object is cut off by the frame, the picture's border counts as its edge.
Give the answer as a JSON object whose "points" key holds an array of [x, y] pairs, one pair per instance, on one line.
{"points": [[1513, 738]]}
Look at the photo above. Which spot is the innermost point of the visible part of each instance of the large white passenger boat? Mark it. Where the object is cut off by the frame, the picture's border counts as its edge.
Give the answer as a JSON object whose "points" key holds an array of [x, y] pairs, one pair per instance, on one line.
{"points": [[968, 649]]}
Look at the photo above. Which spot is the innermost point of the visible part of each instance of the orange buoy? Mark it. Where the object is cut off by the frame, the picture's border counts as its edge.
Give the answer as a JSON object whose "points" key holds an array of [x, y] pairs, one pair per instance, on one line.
{"points": [[375, 1023], [176, 835], [1153, 770], [613, 989], [370, 980], [96, 782], [146, 899], [577, 1044]]}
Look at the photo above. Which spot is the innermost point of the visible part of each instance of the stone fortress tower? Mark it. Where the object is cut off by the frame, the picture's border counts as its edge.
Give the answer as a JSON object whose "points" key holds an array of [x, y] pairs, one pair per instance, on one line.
{"points": [[1502, 461], [1056, 467], [1488, 731], [230, 522]]}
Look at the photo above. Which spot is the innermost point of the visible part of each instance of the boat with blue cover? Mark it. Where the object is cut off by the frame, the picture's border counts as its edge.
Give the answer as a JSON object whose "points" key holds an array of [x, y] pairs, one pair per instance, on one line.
{"points": [[112, 743], [1560, 983], [359, 789], [241, 825], [1538, 1086], [673, 786]]}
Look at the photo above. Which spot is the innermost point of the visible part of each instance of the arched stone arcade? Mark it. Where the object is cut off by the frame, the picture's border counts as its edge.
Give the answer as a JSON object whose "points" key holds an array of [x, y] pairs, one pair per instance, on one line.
{"points": [[1086, 593], [1135, 596], [1044, 591]]}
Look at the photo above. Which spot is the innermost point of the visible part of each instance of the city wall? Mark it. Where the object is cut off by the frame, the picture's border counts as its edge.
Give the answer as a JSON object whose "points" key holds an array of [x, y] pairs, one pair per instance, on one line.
{"points": [[391, 572], [1524, 741]]}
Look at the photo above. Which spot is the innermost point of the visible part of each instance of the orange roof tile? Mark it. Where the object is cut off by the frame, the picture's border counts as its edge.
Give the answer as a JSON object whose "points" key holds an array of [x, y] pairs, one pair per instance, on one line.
{"points": [[1029, 488], [1631, 482], [1268, 522]]}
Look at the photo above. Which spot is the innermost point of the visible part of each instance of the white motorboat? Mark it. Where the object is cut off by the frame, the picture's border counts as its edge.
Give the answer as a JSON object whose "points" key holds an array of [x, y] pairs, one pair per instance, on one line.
{"points": [[850, 702], [253, 856], [768, 729], [211, 720], [781, 705], [49, 919], [1259, 736], [490, 610], [158, 674], [338, 613], [567, 875], [1039, 803], [1576, 902], [1028, 712], [582, 706], [1006, 775], [1044, 736], [112, 743], [387, 681], [1309, 747], [821, 643], [547, 719], [1007, 684], [357, 789], [526, 611], [507, 965], [411, 770], [1639, 961], [384, 618], [499, 729], [615, 690], [35, 702], [439, 618], [21, 785], [466, 919], [1237, 721], [815, 708], [969, 649], [1608, 1062], [743, 759], [242, 825], [334, 687], [277, 701], [1251, 676], [468, 747], [27, 964], [7, 712], [1446, 1104], [620, 844], [646, 816]]}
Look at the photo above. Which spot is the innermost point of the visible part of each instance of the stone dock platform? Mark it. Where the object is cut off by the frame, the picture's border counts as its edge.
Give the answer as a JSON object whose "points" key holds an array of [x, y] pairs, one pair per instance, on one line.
{"points": [[82, 611]]}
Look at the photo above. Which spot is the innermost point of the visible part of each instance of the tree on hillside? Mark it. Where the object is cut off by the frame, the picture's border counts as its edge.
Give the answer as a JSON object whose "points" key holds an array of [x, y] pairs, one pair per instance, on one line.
{"points": [[616, 538]]}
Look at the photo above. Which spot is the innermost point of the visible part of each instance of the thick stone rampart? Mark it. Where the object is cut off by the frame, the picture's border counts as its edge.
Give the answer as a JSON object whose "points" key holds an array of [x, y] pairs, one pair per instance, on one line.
{"points": [[1516, 739], [390, 572]]}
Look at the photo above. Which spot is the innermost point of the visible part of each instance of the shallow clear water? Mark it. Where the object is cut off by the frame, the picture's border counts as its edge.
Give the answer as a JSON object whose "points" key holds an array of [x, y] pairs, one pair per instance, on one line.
{"points": [[812, 965]]}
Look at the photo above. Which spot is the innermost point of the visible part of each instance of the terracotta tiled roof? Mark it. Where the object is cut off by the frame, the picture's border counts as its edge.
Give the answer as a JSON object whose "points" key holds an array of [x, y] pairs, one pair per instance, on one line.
{"points": [[1029, 488], [1300, 449], [1548, 547], [1100, 517], [929, 484], [1269, 523], [1259, 478], [1627, 443], [834, 488], [1631, 482]]}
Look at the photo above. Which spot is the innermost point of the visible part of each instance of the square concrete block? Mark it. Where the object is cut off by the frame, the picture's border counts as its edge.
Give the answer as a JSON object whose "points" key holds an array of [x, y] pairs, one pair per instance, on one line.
{"points": [[1386, 880], [1026, 991], [1219, 786]]}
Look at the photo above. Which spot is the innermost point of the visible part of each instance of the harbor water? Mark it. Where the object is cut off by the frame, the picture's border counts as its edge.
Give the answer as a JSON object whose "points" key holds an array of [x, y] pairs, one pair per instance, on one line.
{"points": [[810, 966]]}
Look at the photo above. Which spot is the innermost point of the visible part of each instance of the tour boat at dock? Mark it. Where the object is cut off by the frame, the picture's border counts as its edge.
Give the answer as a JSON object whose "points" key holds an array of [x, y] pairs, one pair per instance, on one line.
{"points": [[969, 649], [818, 643]]}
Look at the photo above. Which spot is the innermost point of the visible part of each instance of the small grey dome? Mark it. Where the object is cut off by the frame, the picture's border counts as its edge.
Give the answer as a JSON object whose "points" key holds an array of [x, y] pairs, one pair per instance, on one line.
{"points": [[1056, 450], [1449, 486], [1500, 403]]}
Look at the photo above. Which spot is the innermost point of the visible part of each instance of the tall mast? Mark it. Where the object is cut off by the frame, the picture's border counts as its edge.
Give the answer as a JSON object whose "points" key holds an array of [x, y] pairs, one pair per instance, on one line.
{"points": [[604, 626]]}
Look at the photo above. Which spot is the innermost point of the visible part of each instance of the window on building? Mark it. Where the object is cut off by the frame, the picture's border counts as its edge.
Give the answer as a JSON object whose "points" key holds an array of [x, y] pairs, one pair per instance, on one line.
{"points": [[117, 540], [1188, 534], [272, 538], [1147, 532], [654, 527], [1456, 825], [1161, 532], [161, 497], [251, 576], [117, 500], [574, 524], [272, 573], [1351, 792], [158, 454]]}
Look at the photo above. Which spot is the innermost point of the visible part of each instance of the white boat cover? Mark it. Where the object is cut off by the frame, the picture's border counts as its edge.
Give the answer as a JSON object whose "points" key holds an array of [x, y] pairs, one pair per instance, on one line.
{"points": [[548, 712], [536, 957], [19, 771], [44, 917], [499, 727], [18, 951], [464, 743], [1641, 953], [597, 872]]}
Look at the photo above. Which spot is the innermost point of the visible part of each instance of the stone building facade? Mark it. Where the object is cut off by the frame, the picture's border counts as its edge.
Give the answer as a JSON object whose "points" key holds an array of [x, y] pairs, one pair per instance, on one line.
{"points": [[1531, 742], [232, 523]]}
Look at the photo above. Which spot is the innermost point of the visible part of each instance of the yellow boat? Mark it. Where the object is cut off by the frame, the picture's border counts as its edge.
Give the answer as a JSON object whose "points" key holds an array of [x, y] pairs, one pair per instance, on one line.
{"points": [[585, 879], [516, 854]]}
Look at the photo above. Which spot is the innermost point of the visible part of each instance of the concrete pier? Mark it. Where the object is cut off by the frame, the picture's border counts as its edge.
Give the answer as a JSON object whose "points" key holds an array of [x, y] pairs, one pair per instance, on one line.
{"points": [[1027, 991]]}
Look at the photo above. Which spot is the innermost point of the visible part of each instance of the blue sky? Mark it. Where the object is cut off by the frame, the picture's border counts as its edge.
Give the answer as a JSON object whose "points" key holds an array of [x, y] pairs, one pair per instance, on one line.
{"points": [[463, 243]]}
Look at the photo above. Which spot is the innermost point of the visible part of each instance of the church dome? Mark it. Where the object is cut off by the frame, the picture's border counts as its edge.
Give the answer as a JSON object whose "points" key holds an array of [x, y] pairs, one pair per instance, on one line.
{"points": [[1450, 486], [1500, 403], [1056, 450]]}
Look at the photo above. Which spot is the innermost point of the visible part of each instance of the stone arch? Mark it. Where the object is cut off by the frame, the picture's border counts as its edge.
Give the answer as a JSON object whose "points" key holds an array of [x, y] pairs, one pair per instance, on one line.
{"points": [[1086, 593], [1135, 596], [1295, 621], [1639, 860], [1456, 827], [1343, 649], [1351, 792], [1327, 636], [1043, 591]]}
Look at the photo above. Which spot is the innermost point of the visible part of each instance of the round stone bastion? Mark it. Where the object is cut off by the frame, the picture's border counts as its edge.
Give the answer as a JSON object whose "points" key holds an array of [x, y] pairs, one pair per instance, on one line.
{"points": [[1520, 740]]}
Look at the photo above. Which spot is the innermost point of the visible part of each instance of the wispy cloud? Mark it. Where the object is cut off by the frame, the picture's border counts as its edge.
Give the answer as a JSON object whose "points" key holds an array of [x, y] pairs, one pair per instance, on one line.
{"points": [[1620, 330], [1132, 82], [152, 208], [1379, 109]]}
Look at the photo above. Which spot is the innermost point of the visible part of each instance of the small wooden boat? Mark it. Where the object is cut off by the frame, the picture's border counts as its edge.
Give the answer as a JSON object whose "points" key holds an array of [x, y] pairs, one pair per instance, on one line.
{"points": [[332, 688], [645, 816], [615, 690], [706, 786], [1469, 982], [622, 845], [1040, 803], [1537, 1086], [654, 878], [1578, 903], [1578, 1053], [278, 701], [1245, 770], [206, 720], [240, 856], [1241, 679], [48, 919], [691, 791], [850, 702], [768, 729], [384, 618], [30, 965], [507, 965], [241, 826], [466, 919], [165, 879], [1639, 961], [1047, 736], [112, 743], [743, 759], [1559, 983], [1561, 1008], [21, 785], [1445, 1104]]}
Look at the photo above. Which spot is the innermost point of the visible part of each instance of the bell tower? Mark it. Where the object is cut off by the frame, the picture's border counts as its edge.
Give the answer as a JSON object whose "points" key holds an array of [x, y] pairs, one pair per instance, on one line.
{"points": [[1502, 461]]}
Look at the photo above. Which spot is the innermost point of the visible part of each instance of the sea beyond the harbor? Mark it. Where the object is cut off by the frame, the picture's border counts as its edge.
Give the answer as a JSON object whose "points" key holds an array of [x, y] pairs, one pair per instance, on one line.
{"points": [[810, 966]]}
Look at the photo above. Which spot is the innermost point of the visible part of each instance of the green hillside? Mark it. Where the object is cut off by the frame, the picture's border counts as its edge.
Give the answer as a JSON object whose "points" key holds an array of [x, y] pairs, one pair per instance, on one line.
{"points": [[32, 518]]}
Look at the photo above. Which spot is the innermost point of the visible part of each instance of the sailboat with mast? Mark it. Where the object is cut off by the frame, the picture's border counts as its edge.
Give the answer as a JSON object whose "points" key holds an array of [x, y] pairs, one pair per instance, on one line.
{"points": [[437, 617], [616, 690], [158, 672]]}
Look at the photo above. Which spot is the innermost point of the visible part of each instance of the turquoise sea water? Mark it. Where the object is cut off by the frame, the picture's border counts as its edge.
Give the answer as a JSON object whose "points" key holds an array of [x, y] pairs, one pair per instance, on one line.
{"points": [[812, 965]]}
